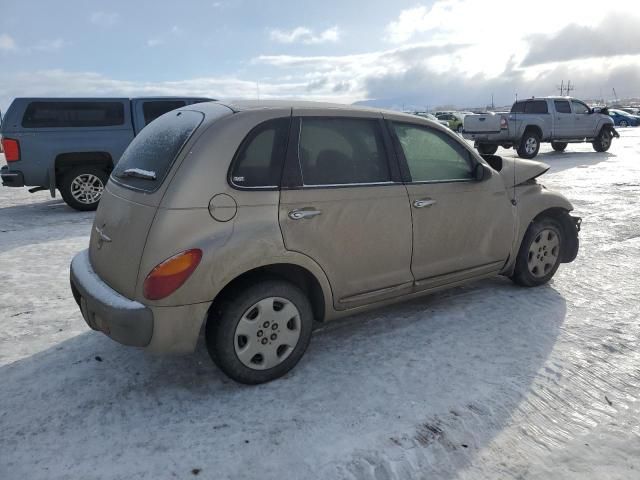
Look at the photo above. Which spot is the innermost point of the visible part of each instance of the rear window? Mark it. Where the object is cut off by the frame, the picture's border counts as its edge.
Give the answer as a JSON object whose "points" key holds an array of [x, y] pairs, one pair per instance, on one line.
{"points": [[146, 162], [153, 109], [562, 106], [73, 114], [536, 106]]}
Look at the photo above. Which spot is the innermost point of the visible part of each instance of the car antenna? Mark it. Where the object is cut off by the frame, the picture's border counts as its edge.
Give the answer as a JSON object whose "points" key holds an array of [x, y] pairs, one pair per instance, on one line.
{"points": [[514, 201]]}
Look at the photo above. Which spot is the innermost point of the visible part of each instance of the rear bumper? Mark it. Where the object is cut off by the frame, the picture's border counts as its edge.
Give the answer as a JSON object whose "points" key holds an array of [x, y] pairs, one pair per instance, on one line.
{"points": [[11, 178], [125, 321]]}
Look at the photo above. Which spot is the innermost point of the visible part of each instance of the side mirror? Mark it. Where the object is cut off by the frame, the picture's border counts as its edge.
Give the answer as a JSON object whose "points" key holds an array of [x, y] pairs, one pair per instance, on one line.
{"points": [[481, 172]]}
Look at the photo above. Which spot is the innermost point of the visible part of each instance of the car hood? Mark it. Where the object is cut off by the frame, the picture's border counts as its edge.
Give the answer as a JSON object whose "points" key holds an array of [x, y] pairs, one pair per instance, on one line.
{"points": [[516, 170]]}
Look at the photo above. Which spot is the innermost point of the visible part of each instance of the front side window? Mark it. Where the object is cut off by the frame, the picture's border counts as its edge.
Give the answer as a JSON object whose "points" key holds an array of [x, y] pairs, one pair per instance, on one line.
{"points": [[579, 107], [153, 109], [62, 114], [260, 157], [432, 156], [339, 151], [562, 106]]}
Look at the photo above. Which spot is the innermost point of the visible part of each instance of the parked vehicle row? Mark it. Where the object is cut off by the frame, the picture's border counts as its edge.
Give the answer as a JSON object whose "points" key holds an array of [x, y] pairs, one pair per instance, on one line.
{"points": [[622, 118], [287, 214], [73, 144], [557, 120]]}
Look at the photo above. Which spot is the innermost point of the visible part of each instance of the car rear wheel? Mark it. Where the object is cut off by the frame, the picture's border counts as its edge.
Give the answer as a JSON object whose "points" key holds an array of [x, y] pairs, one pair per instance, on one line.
{"points": [[261, 333], [486, 149], [540, 253], [603, 140], [529, 145], [82, 187], [559, 146], [624, 123]]}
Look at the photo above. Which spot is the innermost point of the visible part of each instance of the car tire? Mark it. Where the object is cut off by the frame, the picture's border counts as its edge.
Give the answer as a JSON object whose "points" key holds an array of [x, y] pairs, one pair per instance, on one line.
{"points": [[602, 142], [486, 149], [459, 129], [623, 123], [82, 187], [529, 145], [540, 253], [247, 348], [559, 146]]}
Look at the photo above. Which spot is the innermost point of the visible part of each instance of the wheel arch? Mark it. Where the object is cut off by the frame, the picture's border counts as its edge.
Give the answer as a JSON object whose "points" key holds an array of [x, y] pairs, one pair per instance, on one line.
{"points": [[533, 128], [66, 161]]}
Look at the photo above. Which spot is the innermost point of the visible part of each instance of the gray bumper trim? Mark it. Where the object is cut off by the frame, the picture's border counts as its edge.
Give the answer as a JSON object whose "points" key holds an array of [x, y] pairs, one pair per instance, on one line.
{"points": [[126, 321]]}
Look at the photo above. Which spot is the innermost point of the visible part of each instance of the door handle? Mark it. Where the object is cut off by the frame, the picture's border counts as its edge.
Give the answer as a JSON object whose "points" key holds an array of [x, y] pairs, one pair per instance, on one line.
{"points": [[425, 202], [301, 213]]}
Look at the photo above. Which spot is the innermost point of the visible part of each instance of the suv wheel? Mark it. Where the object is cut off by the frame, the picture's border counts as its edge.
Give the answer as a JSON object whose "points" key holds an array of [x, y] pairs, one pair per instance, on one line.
{"points": [[539, 255], [261, 333], [529, 145], [486, 149], [559, 146], [82, 187], [603, 141]]}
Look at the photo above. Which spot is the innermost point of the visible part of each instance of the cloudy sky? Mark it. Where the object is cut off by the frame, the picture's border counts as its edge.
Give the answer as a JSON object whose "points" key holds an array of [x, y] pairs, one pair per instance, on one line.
{"points": [[412, 53]]}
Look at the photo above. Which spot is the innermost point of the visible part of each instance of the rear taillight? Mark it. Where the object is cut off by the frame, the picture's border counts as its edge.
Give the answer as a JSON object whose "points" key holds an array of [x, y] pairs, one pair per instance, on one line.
{"points": [[169, 275], [11, 149], [503, 123]]}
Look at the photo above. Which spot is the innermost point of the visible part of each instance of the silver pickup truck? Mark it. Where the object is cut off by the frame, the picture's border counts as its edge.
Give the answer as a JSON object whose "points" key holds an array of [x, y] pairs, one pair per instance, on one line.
{"points": [[559, 120]]}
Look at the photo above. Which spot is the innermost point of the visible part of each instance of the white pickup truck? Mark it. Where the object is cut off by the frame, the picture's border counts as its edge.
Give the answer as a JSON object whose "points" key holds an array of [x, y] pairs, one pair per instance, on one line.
{"points": [[559, 120]]}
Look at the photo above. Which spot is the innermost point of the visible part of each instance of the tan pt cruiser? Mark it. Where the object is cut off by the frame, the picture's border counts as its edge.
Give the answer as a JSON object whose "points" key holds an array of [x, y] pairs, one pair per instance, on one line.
{"points": [[258, 219]]}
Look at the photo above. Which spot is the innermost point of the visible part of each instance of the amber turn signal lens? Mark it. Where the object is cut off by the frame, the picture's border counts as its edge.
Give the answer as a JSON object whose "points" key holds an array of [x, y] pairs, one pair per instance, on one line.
{"points": [[169, 275]]}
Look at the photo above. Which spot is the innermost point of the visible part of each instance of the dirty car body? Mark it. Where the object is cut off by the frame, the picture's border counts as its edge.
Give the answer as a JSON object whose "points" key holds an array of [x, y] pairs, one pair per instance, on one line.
{"points": [[260, 219]]}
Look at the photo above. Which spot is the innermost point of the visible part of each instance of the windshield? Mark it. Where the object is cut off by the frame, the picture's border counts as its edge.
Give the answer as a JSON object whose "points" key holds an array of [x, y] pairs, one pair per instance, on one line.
{"points": [[146, 162]]}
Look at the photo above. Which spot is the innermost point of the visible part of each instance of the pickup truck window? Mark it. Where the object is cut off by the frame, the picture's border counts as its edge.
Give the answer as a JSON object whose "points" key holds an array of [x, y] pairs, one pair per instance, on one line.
{"points": [[562, 106], [149, 157], [579, 107], [153, 109], [536, 106], [73, 114], [432, 156], [518, 107]]}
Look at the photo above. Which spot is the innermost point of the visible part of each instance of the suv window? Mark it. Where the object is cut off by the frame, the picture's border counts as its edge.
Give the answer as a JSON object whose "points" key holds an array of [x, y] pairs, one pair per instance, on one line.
{"points": [[149, 157], [432, 156], [562, 106], [259, 160], [536, 106], [339, 151], [73, 114], [153, 109], [579, 107]]}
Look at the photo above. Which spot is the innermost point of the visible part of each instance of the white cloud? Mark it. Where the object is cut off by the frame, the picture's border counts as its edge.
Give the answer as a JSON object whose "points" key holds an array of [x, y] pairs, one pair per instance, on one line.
{"points": [[305, 35], [7, 43], [50, 45], [154, 42], [104, 19]]}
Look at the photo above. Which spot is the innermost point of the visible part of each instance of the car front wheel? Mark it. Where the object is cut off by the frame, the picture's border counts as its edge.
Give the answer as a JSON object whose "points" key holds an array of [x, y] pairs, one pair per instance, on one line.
{"points": [[487, 149], [540, 253], [260, 333], [623, 123]]}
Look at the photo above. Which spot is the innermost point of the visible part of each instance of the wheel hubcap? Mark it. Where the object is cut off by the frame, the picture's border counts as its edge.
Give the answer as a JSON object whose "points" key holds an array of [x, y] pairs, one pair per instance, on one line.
{"points": [[530, 145], [267, 333], [543, 253], [87, 188]]}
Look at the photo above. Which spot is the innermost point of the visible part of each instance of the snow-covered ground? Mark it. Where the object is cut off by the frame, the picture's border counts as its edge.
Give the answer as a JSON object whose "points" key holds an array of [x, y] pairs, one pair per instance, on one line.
{"points": [[487, 381]]}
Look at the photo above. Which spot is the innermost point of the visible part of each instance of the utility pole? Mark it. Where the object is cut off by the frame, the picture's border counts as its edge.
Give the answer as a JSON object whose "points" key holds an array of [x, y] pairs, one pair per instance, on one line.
{"points": [[569, 88], [561, 88]]}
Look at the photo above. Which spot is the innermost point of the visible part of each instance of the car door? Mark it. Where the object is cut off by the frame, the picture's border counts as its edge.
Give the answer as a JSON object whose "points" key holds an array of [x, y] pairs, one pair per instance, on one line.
{"points": [[564, 121], [462, 228], [343, 204], [585, 123]]}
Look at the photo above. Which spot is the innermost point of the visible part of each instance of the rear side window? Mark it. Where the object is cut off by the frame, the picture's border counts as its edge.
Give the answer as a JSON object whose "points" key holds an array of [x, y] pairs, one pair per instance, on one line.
{"points": [[536, 106], [341, 151], [146, 162], [73, 114], [518, 107], [154, 109], [260, 157], [562, 106]]}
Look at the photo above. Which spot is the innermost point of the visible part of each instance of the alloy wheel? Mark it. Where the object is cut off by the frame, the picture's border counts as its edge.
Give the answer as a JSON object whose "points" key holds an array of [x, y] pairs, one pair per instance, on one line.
{"points": [[87, 188]]}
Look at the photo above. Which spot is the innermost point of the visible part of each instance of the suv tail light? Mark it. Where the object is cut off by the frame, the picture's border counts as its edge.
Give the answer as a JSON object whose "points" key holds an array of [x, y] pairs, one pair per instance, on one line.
{"points": [[503, 123], [11, 149], [169, 275]]}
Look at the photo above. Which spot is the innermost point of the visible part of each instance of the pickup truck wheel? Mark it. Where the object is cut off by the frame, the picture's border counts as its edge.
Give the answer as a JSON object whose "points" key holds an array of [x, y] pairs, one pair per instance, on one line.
{"points": [[540, 253], [260, 333], [529, 145], [82, 187], [559, 146], [603, 140], [486, 149]]}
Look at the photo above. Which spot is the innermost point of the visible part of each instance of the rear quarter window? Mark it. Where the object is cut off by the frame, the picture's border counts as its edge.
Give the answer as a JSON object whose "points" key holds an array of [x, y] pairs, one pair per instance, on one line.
{"points": [[146, 162], [73, 114]]}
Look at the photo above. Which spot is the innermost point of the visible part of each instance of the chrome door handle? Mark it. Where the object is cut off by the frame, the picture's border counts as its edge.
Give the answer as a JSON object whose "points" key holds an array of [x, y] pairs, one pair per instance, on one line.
{"points": [[300, 213], [427, 202]]}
